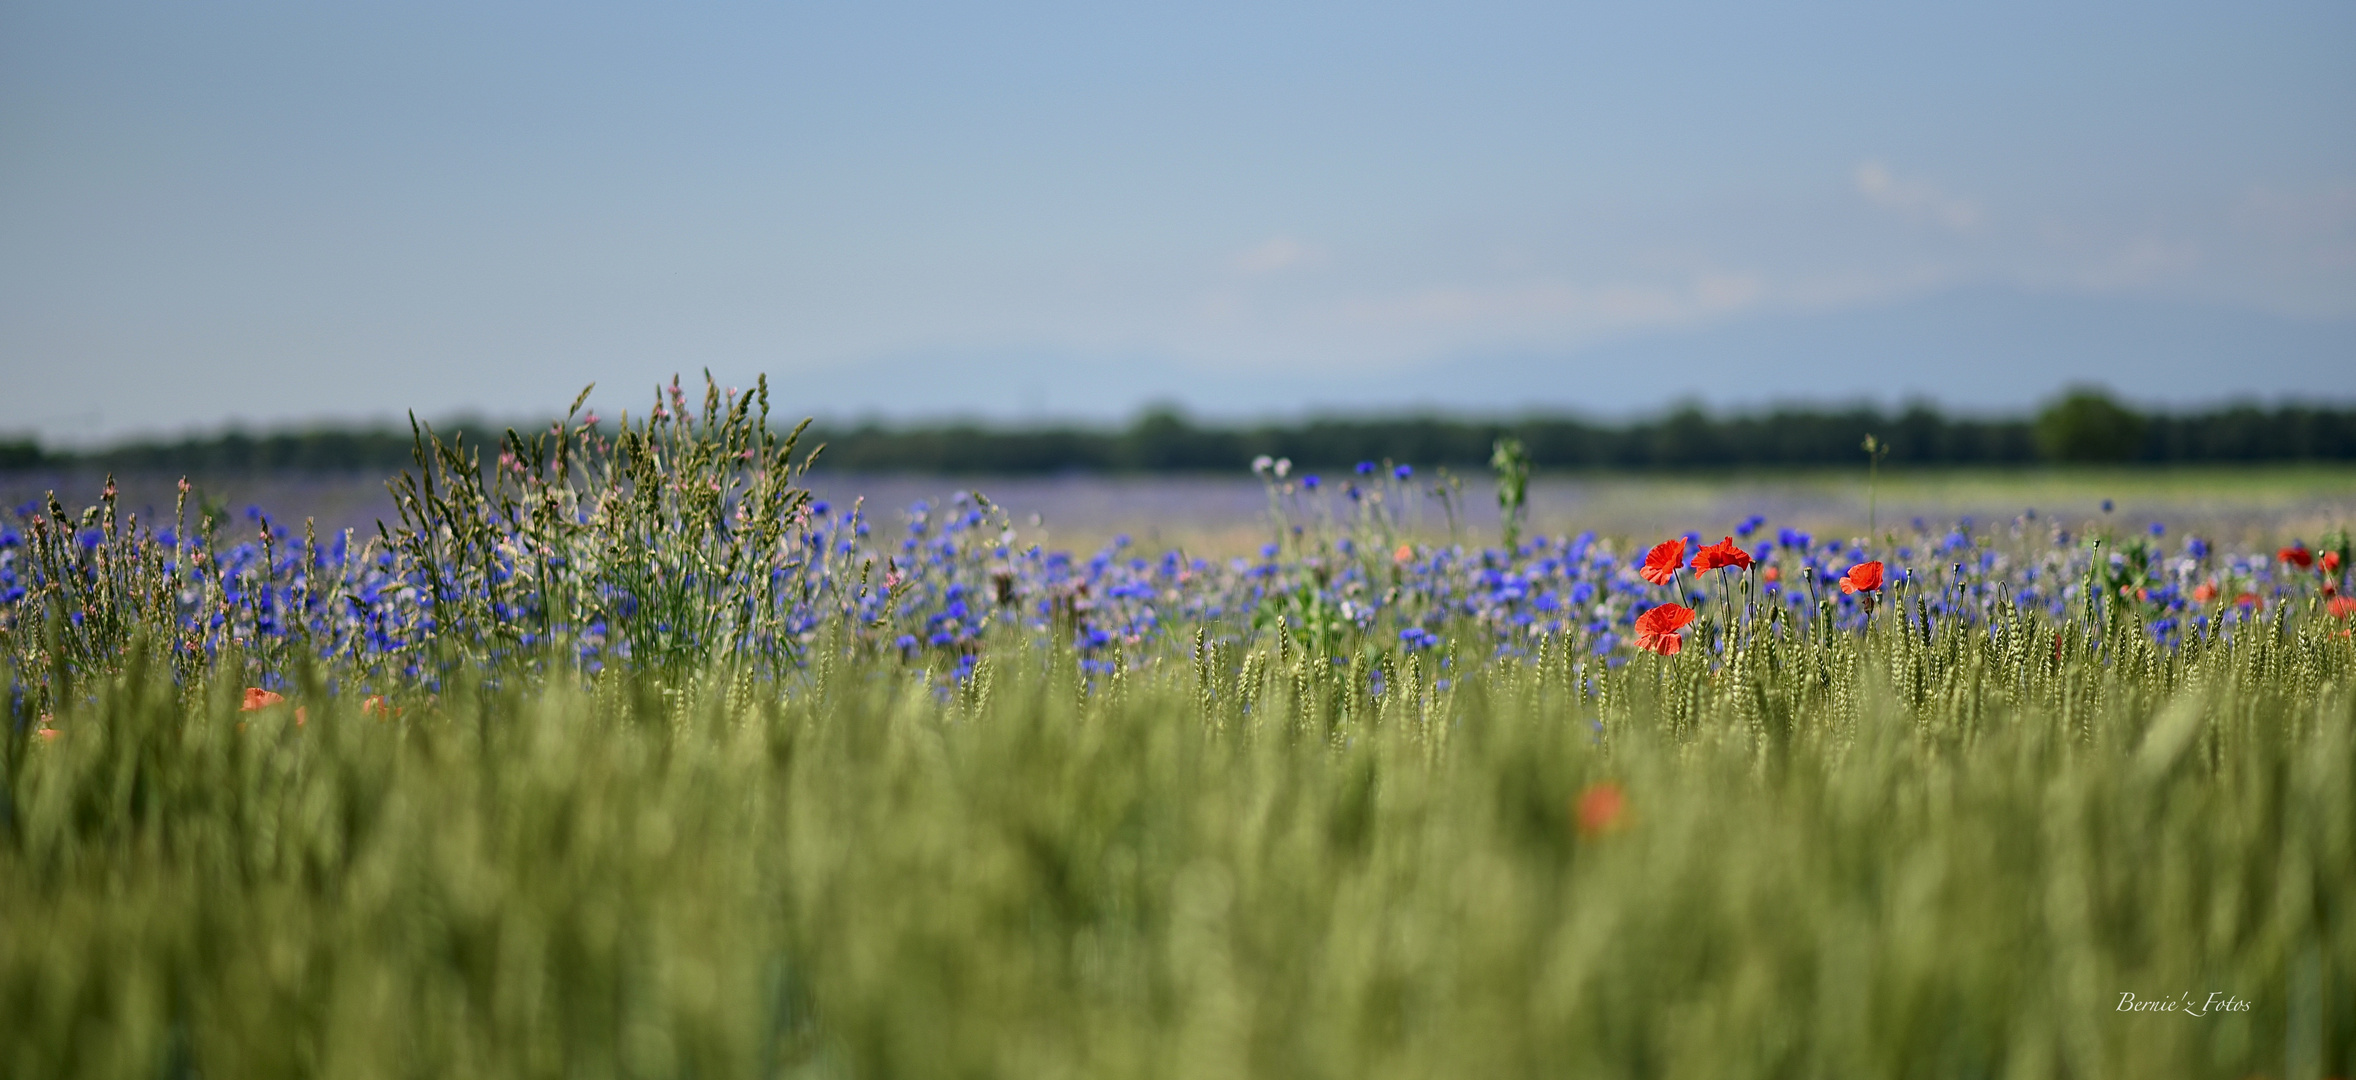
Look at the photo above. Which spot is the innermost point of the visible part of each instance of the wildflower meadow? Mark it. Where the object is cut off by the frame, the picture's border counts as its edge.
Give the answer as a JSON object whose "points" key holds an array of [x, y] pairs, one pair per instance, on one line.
{"points": [[622, 754]]}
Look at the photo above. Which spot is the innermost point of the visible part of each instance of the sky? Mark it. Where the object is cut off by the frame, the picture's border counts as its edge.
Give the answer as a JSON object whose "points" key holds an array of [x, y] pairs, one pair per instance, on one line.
{"points": [[271, 214]]}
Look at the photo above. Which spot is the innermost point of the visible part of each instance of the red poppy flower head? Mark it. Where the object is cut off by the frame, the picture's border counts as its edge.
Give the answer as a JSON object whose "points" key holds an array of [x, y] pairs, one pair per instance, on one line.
{"points": [[1863, 577], [1721, 554], [2204, 592], [257, 699], [2297, 555], [1660, 567], [2341, 607], [1656, 630], [2248, 600], [1600, 809], [2330, 561]]}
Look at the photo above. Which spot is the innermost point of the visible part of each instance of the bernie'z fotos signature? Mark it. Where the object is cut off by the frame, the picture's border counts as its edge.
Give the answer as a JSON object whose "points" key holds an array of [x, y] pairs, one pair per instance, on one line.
{"points": [[2184, 1004]]}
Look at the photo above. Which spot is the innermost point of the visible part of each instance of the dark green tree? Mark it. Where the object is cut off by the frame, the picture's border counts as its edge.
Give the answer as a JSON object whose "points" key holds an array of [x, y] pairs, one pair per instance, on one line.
{"points": [[2087, 425], [19, 453]]}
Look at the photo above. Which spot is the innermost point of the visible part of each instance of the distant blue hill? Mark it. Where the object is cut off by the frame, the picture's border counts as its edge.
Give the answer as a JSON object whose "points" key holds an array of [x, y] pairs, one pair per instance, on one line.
{"points": [[1976, 349]]}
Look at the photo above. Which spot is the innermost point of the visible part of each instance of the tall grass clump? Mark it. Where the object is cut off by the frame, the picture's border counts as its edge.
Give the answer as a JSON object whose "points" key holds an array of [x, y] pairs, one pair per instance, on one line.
{"points": [[922, 802]]}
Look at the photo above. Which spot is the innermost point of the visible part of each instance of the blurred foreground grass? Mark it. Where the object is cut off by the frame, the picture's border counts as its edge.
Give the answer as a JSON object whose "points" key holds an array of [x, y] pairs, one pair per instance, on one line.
{"points": [[1836, 856]]}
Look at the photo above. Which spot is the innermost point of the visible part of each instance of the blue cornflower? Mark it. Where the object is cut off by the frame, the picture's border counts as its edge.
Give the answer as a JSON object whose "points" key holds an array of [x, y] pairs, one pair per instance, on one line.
{"points": [[1309, 481], [1403, 472], [2158, 529], [1365, 468]]}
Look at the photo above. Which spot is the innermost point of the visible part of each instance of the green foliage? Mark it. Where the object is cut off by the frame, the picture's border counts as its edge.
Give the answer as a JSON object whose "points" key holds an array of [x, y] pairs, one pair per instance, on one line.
{"points": [[1511, 461], [1304, 617], [1842, 855], [670, 536], [2087, 426], [20, 454]]}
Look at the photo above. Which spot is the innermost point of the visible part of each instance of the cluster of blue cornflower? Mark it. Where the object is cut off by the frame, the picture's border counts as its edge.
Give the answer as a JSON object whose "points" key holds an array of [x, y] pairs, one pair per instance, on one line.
{"points": [[936, 585]]}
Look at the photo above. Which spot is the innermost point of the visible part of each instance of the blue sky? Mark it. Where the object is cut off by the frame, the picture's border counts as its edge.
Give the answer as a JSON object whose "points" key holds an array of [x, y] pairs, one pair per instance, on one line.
{"points": [[272, 213]]}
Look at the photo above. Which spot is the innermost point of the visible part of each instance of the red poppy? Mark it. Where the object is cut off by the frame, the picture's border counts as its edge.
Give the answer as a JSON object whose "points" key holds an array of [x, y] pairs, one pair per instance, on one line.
{"points": [[2248, 599], [2331, 562], [1599, 809], [1721, 554], [1863, 577], [1772, 573], [1656, 630], [257, 699], [1661, 566], [2341, 607], [2204, 592], [2297, 555], [378, 707]]}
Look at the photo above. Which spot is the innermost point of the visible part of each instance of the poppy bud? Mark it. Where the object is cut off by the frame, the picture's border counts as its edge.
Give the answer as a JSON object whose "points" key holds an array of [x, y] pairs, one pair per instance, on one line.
{"points": [[1600, 808]]}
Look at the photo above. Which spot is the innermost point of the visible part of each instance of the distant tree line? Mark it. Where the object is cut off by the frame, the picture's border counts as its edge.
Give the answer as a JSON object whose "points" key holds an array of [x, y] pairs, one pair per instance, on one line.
{"points": [[2083, 426]]}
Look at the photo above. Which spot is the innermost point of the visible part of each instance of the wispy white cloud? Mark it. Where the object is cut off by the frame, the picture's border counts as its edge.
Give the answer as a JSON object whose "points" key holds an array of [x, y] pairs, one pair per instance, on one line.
{"points": [[1277, 253], [2315, 227], [2142, 261], [1916, 198], [1553, 306]]}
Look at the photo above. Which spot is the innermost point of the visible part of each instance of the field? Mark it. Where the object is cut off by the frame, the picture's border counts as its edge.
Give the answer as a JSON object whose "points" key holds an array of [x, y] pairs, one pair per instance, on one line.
{"points": [[653, 757], [1226, 515]]}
